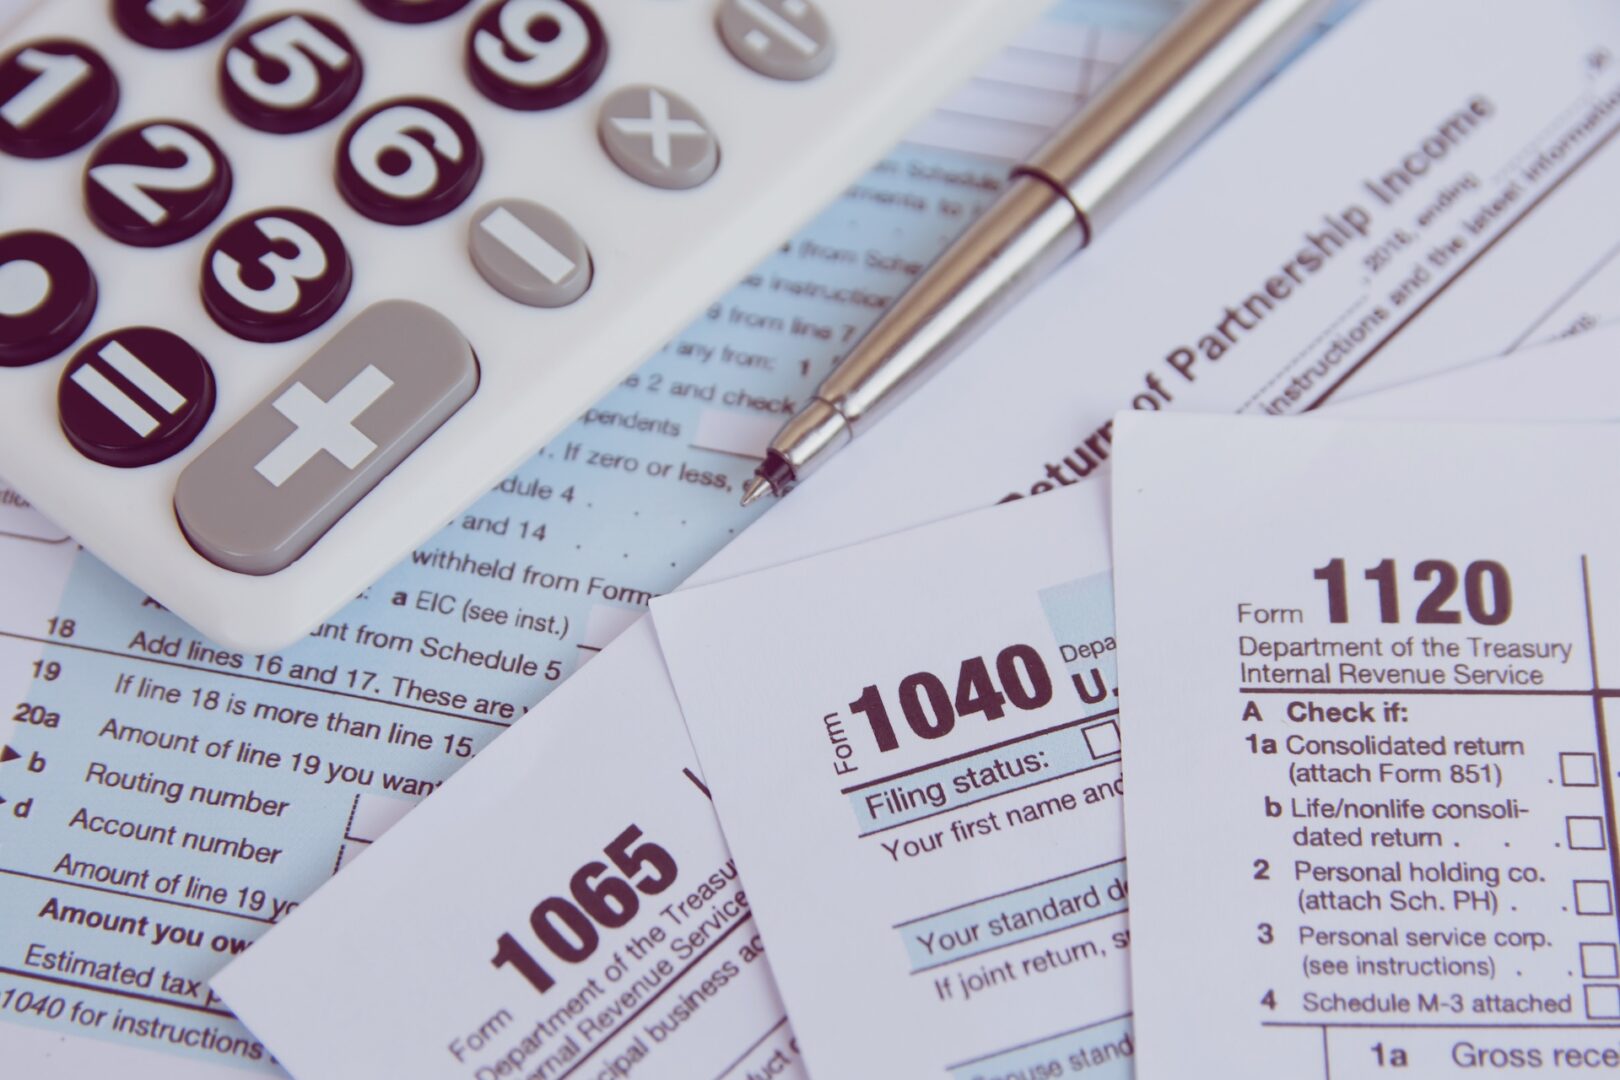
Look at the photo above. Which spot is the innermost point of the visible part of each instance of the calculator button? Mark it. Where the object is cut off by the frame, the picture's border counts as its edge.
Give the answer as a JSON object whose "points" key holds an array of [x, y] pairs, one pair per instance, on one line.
{"points": [[156, 183], [530, 253], [414, 11], [55, 96], [782, 39], [175, 24], [536, 54], [47, 297], [266, 490], [135, 397], [275, 275], [289, 73], [658, 137], [408, 161]]}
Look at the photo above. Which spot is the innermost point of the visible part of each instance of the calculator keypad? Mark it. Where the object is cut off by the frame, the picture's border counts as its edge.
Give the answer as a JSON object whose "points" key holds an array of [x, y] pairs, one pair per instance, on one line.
{"points": [[175, 24], [536, 54], [289, 73], [658, 137], [266, 490], [135, 397], [780, 39], [56, 95], [156, 183], [47, 297], [408, 161], [275, 275], [529, 253], [257, 498]]}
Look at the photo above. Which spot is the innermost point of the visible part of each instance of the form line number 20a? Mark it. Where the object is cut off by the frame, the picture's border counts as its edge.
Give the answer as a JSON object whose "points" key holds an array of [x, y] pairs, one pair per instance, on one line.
{"points": [[931, 710], [1487, 593]]}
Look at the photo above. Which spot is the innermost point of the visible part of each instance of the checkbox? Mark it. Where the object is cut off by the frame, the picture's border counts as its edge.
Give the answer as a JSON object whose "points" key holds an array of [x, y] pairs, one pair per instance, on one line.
{"points": [[1103, 740], [1593, 898], [1599, 960], [1585, 833], [1603, 1002], [1578, 770]]}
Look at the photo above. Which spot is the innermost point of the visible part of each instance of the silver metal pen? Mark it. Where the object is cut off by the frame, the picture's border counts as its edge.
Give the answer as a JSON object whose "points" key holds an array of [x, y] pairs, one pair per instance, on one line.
{"points": [[1077, 184]]}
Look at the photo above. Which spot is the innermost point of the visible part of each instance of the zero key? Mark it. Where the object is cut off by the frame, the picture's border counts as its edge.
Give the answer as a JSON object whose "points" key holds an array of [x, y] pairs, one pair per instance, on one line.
{"points": [[261, 496]]}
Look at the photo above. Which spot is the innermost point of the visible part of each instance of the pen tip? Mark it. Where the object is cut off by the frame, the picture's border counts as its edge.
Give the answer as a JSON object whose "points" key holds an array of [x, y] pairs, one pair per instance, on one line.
{"points": [[756, 489]]}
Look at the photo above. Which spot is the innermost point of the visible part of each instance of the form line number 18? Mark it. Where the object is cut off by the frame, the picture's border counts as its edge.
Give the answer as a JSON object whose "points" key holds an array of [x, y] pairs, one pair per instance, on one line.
{"points": [[1487, 594]]}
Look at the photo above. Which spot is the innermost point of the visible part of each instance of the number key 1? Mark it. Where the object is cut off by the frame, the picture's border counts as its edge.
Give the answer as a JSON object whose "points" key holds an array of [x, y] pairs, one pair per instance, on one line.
{"points": [[55, 96]]}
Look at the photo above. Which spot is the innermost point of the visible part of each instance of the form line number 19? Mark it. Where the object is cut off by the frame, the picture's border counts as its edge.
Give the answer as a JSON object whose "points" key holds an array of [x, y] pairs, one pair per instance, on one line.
{"points": [[1487, 594]]}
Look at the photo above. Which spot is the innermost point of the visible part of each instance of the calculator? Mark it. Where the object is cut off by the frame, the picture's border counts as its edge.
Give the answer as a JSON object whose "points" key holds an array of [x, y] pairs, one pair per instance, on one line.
{"points": [[284, 288]]}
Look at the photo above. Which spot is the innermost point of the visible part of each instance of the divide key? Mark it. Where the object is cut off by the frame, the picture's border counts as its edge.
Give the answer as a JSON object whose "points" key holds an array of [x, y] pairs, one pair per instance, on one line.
{"points": [[260, 497]]}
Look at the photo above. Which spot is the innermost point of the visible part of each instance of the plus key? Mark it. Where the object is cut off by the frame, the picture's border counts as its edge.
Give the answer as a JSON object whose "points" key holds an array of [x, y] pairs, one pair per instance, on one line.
{"points": [[263, 494], [175, 24]]}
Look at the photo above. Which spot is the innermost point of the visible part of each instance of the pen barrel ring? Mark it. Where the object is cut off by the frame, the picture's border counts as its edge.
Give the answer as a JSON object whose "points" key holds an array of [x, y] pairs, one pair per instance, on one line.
{"points": [[1167, 99], [1077, 183]]}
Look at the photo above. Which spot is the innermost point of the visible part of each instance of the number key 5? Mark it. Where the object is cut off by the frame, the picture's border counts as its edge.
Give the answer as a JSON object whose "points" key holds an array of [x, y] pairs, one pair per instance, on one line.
{"points": [[289, 73]]}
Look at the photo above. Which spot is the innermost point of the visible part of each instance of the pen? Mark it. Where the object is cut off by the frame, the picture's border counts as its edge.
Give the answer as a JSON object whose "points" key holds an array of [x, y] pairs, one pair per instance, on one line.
{"points": [[1076, 184]]}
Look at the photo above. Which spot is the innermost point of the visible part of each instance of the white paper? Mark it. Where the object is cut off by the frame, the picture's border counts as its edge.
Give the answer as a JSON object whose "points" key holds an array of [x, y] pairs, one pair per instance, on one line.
{"points": [[771, 731], [1573, 378], [1055, 370], [914, 750], [1370, 811]]}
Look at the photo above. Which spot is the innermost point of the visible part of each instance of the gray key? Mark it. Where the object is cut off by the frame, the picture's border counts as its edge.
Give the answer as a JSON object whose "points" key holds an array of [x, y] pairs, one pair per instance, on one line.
{"points": [[783, 39], [529, 253], [270, 487], [658, 137]]}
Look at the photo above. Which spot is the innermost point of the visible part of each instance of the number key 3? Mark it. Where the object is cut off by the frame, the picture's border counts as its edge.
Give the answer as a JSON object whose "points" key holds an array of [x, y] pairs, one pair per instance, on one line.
{"points": [[275, 275]]}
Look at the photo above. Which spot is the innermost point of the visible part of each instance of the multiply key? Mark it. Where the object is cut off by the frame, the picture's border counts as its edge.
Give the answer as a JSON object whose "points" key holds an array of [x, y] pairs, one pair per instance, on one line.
{"points": [[270, 487]]}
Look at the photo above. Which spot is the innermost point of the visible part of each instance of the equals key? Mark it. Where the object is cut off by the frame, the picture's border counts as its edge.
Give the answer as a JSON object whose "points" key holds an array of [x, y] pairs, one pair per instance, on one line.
{"points": [[135, 397]]}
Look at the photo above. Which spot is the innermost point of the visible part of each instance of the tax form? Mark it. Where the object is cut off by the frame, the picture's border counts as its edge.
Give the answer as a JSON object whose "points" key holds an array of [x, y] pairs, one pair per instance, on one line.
{"points": [[1079, 348], [1370, 811], [920, 923], [914, 749]]}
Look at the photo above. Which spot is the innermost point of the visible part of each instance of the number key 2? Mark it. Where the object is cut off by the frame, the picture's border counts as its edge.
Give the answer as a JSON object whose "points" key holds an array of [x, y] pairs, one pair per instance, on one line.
{"points": [[156, 183]]}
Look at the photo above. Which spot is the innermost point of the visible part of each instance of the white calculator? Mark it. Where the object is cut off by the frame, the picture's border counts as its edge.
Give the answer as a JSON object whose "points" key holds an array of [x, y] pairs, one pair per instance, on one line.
{"points": [[283, 288]]}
